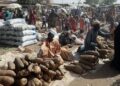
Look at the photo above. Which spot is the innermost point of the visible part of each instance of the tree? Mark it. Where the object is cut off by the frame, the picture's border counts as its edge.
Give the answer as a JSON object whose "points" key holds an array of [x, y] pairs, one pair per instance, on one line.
{"points": [[108, 2], [30, 1], [92, 2]]}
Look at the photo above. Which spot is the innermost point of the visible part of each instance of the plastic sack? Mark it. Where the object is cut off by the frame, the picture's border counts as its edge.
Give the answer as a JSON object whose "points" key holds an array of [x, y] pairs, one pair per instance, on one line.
{"points": [[15, 21]]}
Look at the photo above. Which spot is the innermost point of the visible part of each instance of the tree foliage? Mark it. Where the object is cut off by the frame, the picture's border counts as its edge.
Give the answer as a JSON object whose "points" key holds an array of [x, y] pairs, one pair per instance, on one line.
{"points": [[108, 2], [92, 2], [30, 1]]}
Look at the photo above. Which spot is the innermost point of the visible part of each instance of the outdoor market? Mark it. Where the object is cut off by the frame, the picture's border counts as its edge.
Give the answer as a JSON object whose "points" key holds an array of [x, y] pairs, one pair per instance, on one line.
{"points": [[59, 43]]}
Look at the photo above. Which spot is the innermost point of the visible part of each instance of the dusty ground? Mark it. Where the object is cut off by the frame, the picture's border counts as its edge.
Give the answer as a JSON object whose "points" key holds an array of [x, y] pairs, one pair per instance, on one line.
{"points": [[7, 48], [104, 76]]}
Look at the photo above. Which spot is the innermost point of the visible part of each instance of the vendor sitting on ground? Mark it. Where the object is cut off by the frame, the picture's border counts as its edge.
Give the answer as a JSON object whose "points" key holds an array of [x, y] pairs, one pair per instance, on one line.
{"points": [[90, 40], [52, 48], [65, 38]]}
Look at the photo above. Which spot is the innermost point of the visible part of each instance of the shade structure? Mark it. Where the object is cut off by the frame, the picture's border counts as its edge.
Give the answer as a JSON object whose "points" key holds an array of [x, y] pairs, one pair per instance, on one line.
{"points": [[14, 5]]}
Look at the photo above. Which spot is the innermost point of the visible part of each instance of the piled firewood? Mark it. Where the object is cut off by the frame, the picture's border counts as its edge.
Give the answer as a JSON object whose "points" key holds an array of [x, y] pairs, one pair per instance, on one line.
{"points": [[88, 61], [31, 72]]}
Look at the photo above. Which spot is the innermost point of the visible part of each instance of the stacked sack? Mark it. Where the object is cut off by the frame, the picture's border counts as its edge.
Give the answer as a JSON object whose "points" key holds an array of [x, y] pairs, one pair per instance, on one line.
{"points": [[17, 32], [88, 61]]}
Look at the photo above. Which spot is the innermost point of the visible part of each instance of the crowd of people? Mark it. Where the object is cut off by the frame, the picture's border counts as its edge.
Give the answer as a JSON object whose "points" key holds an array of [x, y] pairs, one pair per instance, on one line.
{"points": [[83, 27]]}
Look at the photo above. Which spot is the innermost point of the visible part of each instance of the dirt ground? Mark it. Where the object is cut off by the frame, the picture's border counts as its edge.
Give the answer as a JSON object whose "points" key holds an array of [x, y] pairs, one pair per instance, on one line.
{"points": [[103, 76], [6, 48]]}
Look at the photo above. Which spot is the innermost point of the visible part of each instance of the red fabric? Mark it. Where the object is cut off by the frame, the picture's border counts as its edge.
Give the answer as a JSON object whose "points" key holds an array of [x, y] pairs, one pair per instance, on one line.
{"points": [[1, 15], [32, 17], [73, 24], [82, 24]]}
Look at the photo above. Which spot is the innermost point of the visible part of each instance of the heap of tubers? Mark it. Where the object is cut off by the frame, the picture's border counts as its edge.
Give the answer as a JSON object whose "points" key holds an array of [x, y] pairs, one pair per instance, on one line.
{"points": [[88, 61], [31, 72], [105, 48]]}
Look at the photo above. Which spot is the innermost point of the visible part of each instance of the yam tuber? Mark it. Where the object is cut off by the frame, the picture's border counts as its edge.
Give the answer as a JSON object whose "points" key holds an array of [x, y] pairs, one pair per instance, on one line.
{"points": [[95, 53], [86, 67], [1, 85], [23, 73], [7, 73], [37, 82], [31, 83], [51, 74], [6, 80], [51, 64], [34, 68], [23, 82], [75, 68], [90, 58], [47, 78], [58, 60], [44, 83], [24, 62], [87, 62], [11, 66], [19, 63], [43, 68], [38, 60]]}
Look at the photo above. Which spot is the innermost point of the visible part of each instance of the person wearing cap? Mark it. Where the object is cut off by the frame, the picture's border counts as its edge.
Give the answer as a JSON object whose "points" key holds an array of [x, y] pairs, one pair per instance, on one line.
{"points": [[90, 40]]}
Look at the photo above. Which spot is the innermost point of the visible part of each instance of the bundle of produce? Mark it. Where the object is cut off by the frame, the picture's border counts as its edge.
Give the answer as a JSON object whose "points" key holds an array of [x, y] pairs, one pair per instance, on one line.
{"points": [[66, 54], [31, 72], [87, 62], [7, 77], [105, 48], [75, 68], [106, 53], [18, 33]]}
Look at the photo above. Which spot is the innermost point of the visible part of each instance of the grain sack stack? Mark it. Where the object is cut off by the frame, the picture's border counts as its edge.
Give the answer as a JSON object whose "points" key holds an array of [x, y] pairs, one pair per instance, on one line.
{"points": [[17, 32], [88, 61]]}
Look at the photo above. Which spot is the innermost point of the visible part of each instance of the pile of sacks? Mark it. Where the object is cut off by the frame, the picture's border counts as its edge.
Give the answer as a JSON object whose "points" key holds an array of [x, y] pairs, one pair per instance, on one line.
{"points": [[18, 33], [88, 61]]}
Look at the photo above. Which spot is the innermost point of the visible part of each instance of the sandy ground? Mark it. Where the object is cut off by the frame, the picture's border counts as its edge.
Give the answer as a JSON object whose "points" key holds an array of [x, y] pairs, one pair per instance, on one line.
{"points": [[103, 76]]}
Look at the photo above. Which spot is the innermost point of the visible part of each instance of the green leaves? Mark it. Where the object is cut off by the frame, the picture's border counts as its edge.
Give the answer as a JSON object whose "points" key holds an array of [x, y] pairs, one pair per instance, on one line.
{"points": [[108, 2], [29, 1], [94, 2]]}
